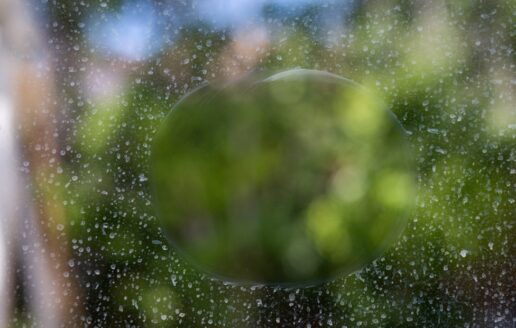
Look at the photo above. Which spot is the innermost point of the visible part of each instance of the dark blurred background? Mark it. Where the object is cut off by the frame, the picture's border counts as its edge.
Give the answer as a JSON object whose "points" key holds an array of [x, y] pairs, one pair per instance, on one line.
{"points": [[84, 86]]}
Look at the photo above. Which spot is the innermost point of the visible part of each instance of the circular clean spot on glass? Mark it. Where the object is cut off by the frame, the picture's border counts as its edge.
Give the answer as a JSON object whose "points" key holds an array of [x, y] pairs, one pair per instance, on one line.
{"points": [[292, 179]]}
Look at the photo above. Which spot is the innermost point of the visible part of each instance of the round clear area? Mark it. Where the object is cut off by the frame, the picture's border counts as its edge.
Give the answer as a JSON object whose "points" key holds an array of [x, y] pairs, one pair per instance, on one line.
{"points": [[294, 179]]}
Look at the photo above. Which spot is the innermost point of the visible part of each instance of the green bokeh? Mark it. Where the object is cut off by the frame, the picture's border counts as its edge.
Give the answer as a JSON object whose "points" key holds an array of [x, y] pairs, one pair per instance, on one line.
{"points": [[443, 67], [293, 179]]}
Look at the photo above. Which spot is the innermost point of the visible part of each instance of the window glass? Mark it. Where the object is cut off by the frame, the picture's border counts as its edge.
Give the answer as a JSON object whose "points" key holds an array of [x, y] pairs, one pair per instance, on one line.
{"points": [[375, 188]]}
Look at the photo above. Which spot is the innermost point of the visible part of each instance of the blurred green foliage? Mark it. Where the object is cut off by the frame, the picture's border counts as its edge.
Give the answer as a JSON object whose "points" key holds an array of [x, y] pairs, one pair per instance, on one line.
{"points": [[293, 179], [433, 63]]}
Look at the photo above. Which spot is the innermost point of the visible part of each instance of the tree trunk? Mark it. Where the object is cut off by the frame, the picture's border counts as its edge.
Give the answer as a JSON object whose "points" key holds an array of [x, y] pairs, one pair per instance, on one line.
{"points": [[31, 212]]}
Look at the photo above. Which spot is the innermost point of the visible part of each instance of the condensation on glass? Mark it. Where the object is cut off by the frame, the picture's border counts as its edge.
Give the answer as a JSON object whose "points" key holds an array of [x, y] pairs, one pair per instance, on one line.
{"points": [[88, 94]]}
